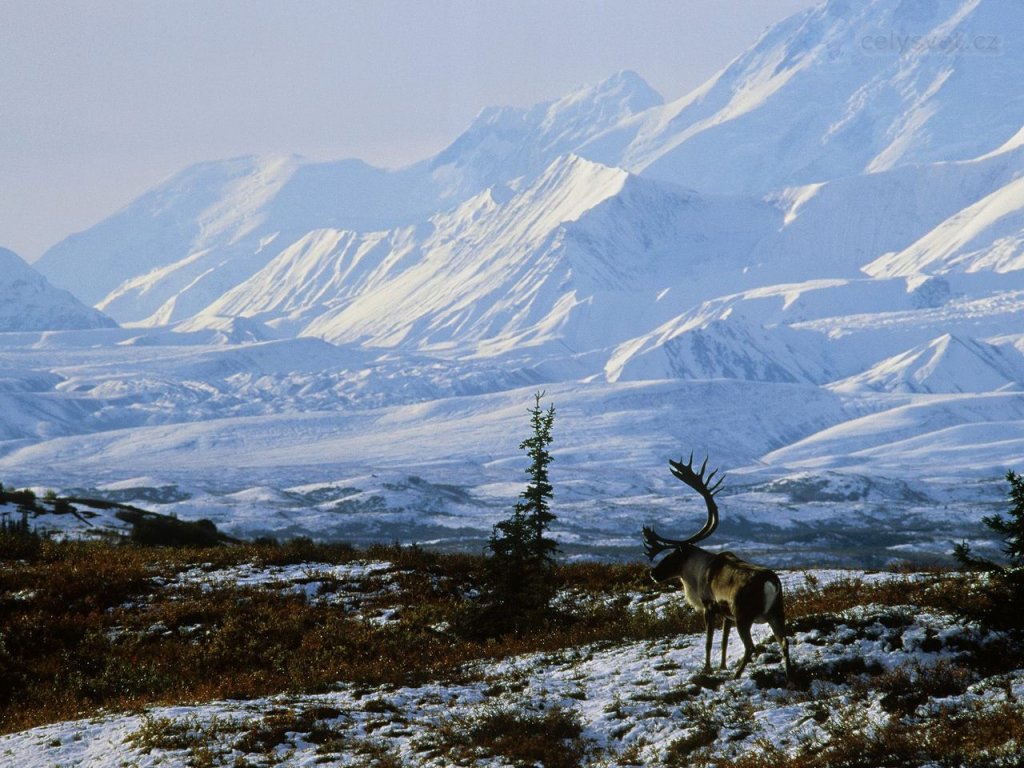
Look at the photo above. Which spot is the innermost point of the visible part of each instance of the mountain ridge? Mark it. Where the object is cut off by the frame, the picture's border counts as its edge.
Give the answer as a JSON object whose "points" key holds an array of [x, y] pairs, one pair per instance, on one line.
{"points": [[888, 103], [812, 263]]}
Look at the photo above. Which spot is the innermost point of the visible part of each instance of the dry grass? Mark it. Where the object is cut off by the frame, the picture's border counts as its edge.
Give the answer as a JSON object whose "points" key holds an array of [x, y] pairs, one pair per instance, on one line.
{"points": [[551, 737], [258, 741], [84, 626], [976, 737]]}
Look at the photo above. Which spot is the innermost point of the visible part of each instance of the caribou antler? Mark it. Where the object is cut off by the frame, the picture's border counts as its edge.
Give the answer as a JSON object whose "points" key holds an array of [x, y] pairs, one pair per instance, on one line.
{"points": [[655, 544], [697, 480], [705, 487]]}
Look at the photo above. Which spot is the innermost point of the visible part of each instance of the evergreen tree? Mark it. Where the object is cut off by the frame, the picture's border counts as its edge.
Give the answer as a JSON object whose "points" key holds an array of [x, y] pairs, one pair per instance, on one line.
{"points": [[1000, 600], [1010, 529], [520, 570], [533, 502], [17, 540]]}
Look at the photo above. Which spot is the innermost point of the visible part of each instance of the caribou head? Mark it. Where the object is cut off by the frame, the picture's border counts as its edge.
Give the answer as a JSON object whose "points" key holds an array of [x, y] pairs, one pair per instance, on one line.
{"points": [[718, 585]]}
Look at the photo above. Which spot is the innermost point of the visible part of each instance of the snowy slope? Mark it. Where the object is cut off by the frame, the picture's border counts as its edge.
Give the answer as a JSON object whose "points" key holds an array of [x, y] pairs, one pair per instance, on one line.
{"points": [[28, 302], [728, 345], [322, 269], [985, 236], [558, 260], [887, 334], [839, 90], [835, 228], [947, 364], [401, 281], [641, 702], [921, 439]]}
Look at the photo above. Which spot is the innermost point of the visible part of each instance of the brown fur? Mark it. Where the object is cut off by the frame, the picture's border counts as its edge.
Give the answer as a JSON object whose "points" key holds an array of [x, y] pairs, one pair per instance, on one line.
{"points": [[718, 585], [739, 597], [724, 587]]}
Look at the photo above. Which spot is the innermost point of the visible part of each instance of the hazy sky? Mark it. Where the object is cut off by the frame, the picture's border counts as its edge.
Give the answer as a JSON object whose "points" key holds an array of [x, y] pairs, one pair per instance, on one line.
{"points": [[101, 100]]}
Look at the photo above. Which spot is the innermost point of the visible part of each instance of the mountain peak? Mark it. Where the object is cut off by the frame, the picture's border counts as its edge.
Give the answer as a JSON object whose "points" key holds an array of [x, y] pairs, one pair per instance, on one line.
{"points": [[9, 260], [507, 142], [948, 363], [28, 302], [625, 88], [843, 89]]}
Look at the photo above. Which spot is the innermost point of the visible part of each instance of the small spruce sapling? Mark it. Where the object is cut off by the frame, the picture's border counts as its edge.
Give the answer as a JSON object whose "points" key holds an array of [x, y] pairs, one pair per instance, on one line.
{"points": [[1001, 597], [1011, 530], [520, 569]]}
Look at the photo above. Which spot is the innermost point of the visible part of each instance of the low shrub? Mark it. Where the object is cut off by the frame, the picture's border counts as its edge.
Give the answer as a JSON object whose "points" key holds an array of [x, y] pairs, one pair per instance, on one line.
{"points": [[149, 530], [977, 737], [92, 626], [87, 625], [552, 737]]}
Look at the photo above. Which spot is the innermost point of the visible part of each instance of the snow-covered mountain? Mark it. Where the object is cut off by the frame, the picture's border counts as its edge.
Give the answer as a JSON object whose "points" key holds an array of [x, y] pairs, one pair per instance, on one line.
{"points": [[949, 364], [986, 236], [842, 89], [180, 246], [28, 302], [811, 267], [557, 261], [506, 143]]}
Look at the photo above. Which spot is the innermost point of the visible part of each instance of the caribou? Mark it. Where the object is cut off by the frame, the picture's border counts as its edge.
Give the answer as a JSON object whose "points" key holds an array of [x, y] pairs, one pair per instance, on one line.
{"points": [[718, 585]]}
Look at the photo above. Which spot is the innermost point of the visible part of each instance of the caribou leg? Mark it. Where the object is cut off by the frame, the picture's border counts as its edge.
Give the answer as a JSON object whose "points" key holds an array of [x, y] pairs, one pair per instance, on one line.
{"points": [[777, 622], [726, 626], [709, 628], [743, 630]]}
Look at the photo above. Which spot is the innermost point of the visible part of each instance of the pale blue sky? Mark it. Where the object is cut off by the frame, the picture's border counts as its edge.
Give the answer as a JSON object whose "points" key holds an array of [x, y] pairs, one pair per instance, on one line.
{"points": [[101, 100]]}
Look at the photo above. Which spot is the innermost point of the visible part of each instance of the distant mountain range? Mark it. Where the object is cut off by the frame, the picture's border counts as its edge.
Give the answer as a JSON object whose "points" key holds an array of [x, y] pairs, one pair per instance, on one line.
{"points": [[841, 210]]}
